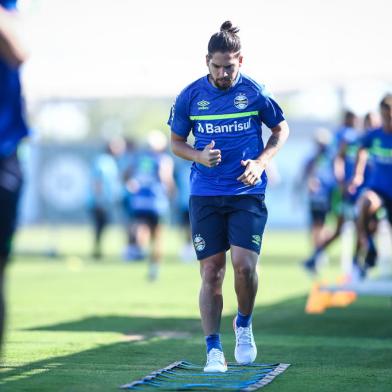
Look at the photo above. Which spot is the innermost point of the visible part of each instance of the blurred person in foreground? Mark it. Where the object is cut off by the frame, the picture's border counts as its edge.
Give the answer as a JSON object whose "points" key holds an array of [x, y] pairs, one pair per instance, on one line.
{"points": [[376, 146], [106, 189], [13, 129], [225, 111], [343, 152], [149, 187]]}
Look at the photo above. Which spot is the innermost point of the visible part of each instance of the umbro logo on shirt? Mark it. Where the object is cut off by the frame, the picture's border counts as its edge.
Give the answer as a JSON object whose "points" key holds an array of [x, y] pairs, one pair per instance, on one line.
{"points": [[203, 105]]}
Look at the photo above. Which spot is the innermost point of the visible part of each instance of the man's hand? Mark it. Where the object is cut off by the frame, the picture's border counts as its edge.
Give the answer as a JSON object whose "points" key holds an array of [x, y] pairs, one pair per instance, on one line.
{"points": [[356, 182], [210, 157], [253, 171]]}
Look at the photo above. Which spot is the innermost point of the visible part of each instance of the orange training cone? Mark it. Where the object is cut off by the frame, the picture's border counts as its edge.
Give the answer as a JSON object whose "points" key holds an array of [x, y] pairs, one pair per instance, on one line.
{"points": [[318, 300]]}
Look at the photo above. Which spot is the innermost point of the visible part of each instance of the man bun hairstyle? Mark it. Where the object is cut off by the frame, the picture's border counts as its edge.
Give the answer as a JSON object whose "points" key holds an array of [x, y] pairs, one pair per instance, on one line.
{"points": [[386, 101], [226, 40]]}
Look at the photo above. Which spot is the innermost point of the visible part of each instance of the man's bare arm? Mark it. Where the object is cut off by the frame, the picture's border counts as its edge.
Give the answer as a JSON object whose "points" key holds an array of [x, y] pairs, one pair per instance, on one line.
{"points": [[279, 135], [359, 170], [209, 157], [11, 47], [254, 167]]}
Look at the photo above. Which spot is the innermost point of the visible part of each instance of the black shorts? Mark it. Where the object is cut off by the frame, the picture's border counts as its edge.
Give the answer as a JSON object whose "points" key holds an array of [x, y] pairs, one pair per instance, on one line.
{"points": [[386, 203], [318, 210], [220, 221], [150, 218], [10, 186], [317, 217]]}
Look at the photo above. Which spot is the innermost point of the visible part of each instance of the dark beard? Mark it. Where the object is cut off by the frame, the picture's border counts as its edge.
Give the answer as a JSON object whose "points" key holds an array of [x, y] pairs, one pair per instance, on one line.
{"points": [[218, 86]]}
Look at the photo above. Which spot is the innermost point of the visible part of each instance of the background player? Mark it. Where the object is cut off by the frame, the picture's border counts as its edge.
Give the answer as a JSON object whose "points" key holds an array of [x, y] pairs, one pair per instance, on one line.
{"points": [[378, 145]]}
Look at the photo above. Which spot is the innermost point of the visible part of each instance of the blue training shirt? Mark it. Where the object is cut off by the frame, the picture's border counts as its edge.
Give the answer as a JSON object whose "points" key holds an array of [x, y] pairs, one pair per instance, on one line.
{"points": [[350, 137], [233, 118], [12, 122], [8, 4], [379, 145], [150, 194]]}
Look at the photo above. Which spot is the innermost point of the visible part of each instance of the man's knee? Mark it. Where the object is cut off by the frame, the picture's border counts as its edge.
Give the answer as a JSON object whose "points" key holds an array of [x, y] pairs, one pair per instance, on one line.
{"points": [[213, 271], [244, 263], [370, 202], [245, 270]]}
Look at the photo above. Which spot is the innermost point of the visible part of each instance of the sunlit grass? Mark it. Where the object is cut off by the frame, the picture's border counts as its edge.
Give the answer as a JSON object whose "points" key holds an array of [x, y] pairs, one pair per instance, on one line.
{"points": [[76, 324]]}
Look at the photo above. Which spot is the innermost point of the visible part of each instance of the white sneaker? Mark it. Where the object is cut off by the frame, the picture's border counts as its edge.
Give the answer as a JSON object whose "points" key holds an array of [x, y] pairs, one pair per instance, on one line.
{"points": [[215, 361], [245, 348]]}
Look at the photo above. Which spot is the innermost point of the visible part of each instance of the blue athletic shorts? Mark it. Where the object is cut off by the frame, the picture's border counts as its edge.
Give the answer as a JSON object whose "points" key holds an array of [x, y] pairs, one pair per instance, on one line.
{"points": [[220, 221]]}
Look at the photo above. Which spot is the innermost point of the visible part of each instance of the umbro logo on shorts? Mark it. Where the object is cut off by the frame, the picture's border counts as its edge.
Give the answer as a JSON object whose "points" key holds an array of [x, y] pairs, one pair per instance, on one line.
{"points": [[256, 239]]}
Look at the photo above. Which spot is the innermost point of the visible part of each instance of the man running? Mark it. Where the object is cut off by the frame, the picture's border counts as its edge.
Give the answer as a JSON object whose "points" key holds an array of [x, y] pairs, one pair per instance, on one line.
{"points": [[378, 145], [225, 111]]}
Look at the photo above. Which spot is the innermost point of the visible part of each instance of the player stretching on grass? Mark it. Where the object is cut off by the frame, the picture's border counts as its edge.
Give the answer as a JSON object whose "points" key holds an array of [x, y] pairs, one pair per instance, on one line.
{"points": [[225, 111]]}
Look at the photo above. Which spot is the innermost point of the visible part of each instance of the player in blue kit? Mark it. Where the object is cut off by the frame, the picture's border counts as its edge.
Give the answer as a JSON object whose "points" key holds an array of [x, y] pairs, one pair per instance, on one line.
{"points": [[12, 129], [342, 152], [376, 145], [225, 111], [149, 188], [318, 179]]}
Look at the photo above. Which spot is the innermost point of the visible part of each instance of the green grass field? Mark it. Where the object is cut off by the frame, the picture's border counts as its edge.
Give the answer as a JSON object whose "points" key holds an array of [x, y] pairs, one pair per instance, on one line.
{"points": [[83, 326]]}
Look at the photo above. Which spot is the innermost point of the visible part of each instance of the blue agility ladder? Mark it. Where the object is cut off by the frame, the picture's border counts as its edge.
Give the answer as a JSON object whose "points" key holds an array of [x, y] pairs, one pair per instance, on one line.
{"points": [[183, 375]]}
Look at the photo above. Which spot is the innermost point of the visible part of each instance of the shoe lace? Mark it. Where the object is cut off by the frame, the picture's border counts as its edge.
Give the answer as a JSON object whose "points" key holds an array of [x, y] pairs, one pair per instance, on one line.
{"points": [[244, 335], [215, 355]]}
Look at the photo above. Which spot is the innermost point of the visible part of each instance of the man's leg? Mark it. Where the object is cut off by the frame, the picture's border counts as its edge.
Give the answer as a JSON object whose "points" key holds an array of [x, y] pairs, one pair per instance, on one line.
{"points": [[246, 284], [245, 278], [8, 204], [2, 300], [246, 227], [156, 247], [310, 264], [369, 204], [100, 221], [10, 186], [212, 271], [209, 234]]}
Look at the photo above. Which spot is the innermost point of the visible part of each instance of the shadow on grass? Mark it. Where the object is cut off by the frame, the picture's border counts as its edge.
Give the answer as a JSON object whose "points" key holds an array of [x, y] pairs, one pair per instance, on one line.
{"points": [[100, 369], [322, 348], [367, 318], [125, 325]]}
